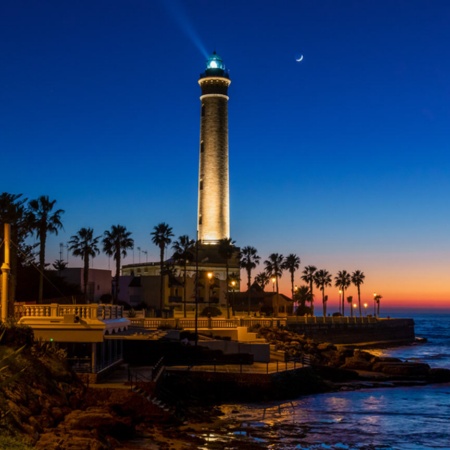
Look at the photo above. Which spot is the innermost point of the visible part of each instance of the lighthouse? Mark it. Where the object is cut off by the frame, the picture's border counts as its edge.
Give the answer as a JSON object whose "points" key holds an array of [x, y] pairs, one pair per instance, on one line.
{"points": [[213, 220]]}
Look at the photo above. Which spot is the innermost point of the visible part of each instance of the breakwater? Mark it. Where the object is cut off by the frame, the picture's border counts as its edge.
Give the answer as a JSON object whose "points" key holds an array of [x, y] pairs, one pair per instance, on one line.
{"points": [[352, 330]]}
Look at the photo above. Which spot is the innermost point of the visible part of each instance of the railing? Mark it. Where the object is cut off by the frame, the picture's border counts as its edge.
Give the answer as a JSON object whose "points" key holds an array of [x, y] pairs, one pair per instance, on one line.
{"points": [[256, 368], [310, 320], [205, 323], [54, 310]]}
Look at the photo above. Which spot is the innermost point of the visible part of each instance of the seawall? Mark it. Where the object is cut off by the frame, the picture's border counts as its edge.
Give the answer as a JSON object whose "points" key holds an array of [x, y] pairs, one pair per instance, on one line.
{"points": [[350, 331]]}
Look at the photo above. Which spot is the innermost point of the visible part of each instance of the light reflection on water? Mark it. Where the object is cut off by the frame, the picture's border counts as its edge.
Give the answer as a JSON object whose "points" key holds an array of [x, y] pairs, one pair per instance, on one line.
{"points": [[387, 418]]}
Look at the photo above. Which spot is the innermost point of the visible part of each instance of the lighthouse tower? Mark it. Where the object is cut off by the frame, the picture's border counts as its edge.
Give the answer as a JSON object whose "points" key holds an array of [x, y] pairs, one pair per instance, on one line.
{"points": [[213, 184]]}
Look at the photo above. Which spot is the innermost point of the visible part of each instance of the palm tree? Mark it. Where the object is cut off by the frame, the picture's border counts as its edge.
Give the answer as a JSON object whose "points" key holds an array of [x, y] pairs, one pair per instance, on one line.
{"points": [[116, 242], [322, 279], [377, 299], [248, 260], [226, 249], [262, 278], [358, 280], [303, 295], [274, 268], [291, 264], [43, 221], [308, 277], [84, 245], [184, 252], [162, 234], [342, 280]]}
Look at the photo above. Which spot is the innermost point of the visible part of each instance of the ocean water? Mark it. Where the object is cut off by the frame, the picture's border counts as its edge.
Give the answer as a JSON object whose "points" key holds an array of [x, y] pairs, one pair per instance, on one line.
{"points": [[403, 418]]}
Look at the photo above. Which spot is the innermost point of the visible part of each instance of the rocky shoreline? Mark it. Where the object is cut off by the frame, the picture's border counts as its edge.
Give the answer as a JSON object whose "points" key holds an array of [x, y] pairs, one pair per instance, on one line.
{"points": [[46, 406]]}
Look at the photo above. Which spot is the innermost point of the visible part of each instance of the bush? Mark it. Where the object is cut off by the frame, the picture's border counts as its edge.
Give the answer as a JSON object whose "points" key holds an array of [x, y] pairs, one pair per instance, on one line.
{"points": [[211, 311], [16, 335]]}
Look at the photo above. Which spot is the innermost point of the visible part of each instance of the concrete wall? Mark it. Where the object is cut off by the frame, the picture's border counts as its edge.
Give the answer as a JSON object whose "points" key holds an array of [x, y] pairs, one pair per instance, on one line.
{"points": [[354, 333]]}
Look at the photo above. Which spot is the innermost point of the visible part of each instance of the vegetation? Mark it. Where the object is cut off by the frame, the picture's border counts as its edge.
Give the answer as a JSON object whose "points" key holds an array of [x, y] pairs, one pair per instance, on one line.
{"points": [[85, 245], [358, 280], [227, 248], [39, 217], [274, 268], [248, 260], [116, 242], [322, 279], [43, 220], [342, 281], [161, 237], [291, 264], [308, 277], [184, 252]]}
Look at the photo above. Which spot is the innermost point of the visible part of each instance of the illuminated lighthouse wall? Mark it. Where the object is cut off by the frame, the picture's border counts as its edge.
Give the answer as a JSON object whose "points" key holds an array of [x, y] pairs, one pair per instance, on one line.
{"points": [[213, 187]]}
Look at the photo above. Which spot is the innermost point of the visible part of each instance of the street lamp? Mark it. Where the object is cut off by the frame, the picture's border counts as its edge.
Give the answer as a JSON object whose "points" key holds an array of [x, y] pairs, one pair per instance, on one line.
{"points": [[210, 276], [365, 309], [354, 308], [233, 285], [273, 283]]}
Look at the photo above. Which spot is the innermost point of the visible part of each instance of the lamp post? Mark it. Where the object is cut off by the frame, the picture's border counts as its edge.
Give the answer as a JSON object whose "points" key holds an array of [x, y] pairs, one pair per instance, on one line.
{"points": [[354, 307], [233, 285], [210, 277], [365, 309], [273, 283]]}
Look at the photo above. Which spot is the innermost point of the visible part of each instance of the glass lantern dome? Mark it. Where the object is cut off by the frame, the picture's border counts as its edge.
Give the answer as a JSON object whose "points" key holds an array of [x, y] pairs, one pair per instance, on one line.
{"points": [[215, 62], [215, 67]]}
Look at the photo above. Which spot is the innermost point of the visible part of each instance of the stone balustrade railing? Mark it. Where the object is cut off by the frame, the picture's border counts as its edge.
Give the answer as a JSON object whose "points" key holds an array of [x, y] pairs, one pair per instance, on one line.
{"points": [[55, 310]]}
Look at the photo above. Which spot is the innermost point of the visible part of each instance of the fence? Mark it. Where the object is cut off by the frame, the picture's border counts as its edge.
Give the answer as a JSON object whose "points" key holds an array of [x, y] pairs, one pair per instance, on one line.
{"points": [[54, 310], [206, 323]]}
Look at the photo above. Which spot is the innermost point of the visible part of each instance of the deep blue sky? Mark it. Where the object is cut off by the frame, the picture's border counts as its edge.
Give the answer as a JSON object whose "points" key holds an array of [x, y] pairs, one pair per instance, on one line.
{"points": [[342, 158]]}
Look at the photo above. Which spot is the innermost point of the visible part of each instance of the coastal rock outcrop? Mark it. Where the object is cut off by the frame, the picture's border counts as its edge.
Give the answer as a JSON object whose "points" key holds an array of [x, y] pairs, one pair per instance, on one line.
{"points": [[331, 359]]}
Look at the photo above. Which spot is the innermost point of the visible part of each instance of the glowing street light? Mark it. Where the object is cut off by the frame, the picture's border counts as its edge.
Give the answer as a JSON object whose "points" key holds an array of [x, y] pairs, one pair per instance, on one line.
{"points": [[273, 283]]}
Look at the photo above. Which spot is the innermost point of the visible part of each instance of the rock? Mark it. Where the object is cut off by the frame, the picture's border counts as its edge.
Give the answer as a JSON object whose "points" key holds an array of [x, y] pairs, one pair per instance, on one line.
{"points": [[402, 369], [439, 375]]}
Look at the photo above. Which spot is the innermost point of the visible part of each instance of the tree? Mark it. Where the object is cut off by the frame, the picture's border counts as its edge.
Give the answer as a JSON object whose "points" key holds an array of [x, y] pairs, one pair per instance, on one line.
{"points": [[262, 278], [376, 299], [308, 277], [248, 260], [162, 234], [13, 211], [184, 252], [116, 242], [323, 279], [342, 280], [358, 280], [274, 268], [84, 245], [291, 264], [303, 295], [226, 249], [59, 265], [43, 221]]}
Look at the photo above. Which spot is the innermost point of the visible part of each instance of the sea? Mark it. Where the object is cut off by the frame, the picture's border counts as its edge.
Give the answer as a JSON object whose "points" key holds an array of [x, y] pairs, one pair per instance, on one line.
{"points": [[403, 418]]}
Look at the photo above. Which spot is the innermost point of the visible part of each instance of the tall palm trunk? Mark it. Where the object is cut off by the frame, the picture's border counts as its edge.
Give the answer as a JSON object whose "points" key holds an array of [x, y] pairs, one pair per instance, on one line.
{"points": [[359, 301], [161, 287], [116, 290]]}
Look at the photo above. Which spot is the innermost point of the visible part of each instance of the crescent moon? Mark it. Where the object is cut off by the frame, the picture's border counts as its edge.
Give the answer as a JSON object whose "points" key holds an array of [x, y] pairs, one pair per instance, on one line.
{"points": [[299, 59]]}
